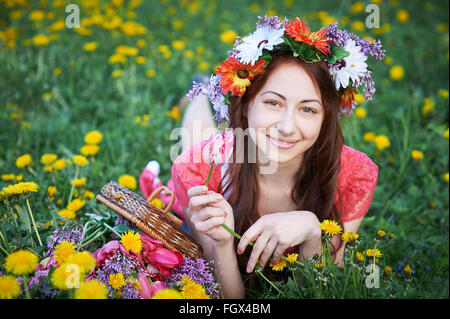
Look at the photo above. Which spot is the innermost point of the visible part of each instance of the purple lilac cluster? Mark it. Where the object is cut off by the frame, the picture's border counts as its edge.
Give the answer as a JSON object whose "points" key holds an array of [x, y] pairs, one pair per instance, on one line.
{"points": [[235, 52], [119, 263], [69, 232], [215, 95], [340, 37], [199, 271], [271, 22]]}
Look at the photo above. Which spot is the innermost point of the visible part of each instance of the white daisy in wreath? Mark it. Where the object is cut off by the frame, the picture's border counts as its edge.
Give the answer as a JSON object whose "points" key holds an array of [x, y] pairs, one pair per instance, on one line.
{"points": [[351, 68], [251, 47]]}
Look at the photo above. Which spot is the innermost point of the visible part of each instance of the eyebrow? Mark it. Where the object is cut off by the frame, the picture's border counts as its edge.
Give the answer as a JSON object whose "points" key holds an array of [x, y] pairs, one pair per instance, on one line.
{"points": [[303, 101]]}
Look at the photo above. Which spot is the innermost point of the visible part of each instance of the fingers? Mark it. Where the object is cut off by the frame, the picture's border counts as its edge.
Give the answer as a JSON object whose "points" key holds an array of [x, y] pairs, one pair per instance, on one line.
{"points": [[259, 246], [197, 190], [208, 224], [268, 251], [208, 212], [251, 233], [200, 200], [281, 248]]}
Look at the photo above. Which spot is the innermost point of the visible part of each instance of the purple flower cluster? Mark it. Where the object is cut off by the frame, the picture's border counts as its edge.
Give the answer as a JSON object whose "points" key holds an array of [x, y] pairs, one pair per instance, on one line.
{"points": [[340, 37], [215, 95], [235, 52], [271, 22], [120, 263], [71, 231], [199, 271]]}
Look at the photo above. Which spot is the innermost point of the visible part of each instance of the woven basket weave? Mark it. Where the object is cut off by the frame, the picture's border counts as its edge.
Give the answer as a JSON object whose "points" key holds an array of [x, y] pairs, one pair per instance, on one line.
{"points": [[158, 224]]}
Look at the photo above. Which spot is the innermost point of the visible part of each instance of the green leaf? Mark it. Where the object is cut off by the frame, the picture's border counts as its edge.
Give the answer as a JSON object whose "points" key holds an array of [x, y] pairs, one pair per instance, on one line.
{"points": [[338, 52]]}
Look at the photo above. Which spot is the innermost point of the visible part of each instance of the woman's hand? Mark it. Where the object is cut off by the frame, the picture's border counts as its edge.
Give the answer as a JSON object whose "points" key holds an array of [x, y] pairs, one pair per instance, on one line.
{"points": [[276, 232], [207, 220]]}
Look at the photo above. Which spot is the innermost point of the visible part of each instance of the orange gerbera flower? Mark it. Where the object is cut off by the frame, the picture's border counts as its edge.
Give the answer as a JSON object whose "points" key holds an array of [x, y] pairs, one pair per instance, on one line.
{"points": [[301, 33], [236, 76]]}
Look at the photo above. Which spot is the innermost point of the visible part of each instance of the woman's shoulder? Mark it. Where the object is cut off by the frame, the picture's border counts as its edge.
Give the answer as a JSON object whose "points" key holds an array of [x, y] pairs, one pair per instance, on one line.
{"points": [[356, 163]]}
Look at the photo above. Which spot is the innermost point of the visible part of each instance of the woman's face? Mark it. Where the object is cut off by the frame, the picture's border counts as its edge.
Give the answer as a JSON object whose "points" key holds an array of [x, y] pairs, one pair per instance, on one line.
{"points": [[286, 115]]}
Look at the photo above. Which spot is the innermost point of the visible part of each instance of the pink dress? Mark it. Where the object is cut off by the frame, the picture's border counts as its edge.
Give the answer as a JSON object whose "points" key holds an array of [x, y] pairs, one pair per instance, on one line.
{"points": [[357, 180]]}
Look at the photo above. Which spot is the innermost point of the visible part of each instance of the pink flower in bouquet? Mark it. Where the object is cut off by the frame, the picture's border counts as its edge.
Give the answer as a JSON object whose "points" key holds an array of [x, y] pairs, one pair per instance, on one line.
{"points": [[149, 244], [219, 148], [165, 260], [108, 250], [148, 289]]}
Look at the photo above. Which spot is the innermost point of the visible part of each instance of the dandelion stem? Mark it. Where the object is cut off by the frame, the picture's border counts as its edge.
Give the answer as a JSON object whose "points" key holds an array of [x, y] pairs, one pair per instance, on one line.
{"points": [[34, 224], [258, 271], [111, 229], [209, 175], [296, 284], [25, 287], [4, 250], [73, 184]]}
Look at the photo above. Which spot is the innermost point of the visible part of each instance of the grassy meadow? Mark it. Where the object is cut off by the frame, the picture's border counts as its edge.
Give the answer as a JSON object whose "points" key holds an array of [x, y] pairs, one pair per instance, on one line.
{"points": [[122, 72]]}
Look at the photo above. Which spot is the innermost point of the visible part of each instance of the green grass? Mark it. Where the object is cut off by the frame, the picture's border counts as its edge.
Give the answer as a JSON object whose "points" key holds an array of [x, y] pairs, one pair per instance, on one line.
{"points": [[411, 199]]}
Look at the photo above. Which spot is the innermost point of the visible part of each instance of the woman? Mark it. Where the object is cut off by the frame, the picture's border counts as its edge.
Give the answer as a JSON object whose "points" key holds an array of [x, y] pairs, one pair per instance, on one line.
{"points": [[291, 113]]}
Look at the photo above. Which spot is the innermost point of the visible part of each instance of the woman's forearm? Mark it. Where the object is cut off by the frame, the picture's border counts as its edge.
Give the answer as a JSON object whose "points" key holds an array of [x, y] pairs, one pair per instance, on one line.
{"points": [[227, 270]]}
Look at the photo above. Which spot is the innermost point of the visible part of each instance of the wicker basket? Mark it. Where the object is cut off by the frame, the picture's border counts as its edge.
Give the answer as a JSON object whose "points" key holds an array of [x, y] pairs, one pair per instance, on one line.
{"points": [[158, 224]]}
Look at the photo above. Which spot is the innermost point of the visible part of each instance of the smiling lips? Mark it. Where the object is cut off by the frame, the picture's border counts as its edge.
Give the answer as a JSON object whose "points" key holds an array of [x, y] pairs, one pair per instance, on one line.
{"points": [[282, 143]]}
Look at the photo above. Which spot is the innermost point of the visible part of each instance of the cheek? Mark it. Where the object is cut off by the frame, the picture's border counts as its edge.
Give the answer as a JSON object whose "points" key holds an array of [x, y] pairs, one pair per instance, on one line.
{"points": [[310, 129]]}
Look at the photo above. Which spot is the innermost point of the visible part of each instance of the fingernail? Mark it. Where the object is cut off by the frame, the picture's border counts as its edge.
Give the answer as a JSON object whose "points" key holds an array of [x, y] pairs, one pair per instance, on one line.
{"points": [[249, 269]]}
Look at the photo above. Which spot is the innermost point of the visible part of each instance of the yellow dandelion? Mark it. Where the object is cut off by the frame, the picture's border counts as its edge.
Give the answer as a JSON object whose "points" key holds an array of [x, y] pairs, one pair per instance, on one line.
{"points": [[157, 203], [141, 59], [349, 237], [330, 227], [292, 258], [446, 134], [417, 155], [89, 149], [387, 271], [84, 260], [67, 213], [408, 271], [396, 72], [150, 73], [48, 159], [131, 241], [372, 252], [128, 181], [445, 177], [37, 15], [59, 164], [80, 160], [88, 194], [228, 36], [91, 289], [319, 265], [359, 257], [93, 137], [360, 112], [357, 7], [8, 177], [428, 106], [443, 93], [168, 293], [90, 46], [24, 160], [78, 182], [64, 250], [116, 280], [369, 136], [402, 16], [381, 233], [41, 40], [21, 262], [174, 113], [117, 73], [117, 58], [9, 287], [178, 44], [192, 290], [76, 204], [382, 142], [279, 266]]}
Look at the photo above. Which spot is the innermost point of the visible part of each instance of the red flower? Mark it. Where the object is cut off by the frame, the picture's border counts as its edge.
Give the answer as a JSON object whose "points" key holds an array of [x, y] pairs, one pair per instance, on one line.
{"points": [[301, 33], [165, 260], [149, 289], [347, 99], [236, 76]]}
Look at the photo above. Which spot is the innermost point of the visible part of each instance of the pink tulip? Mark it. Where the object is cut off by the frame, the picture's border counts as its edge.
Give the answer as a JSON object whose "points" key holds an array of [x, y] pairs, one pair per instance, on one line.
{"points": [[219, 148], [165, 260], [148, 288], [149, 244], [108, 250], [157, 286]]}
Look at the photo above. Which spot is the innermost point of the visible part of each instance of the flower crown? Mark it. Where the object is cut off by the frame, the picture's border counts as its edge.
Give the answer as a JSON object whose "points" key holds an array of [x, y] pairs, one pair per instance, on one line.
{"points": [[344, 52]]}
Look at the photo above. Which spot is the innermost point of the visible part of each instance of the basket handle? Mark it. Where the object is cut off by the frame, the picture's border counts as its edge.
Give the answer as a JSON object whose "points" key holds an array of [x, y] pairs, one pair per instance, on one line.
{"points": [[172, 217]]}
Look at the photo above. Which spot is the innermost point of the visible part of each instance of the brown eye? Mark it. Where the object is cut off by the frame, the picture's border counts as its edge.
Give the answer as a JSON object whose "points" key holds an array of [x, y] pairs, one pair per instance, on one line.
{"points": [[272, 103], [309, 110]]}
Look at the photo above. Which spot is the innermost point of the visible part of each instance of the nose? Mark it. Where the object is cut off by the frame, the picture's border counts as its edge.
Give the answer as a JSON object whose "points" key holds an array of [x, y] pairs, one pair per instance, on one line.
{"points": [[286, 124]]}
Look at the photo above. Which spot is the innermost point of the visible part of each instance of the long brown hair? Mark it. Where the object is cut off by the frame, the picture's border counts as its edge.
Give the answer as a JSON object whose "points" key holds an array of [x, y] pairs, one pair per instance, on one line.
{"points": [[316, 180]]}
